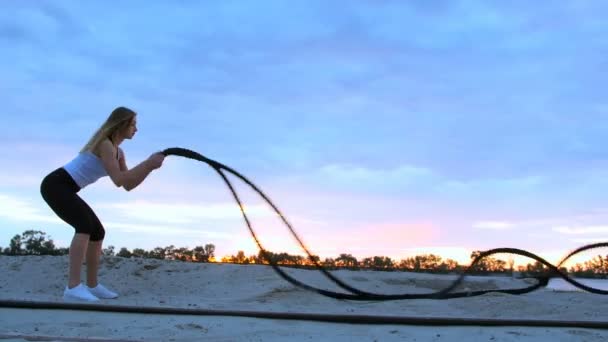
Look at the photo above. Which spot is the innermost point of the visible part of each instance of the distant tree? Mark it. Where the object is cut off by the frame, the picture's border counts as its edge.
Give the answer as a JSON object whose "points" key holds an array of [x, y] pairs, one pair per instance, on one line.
{"points": [[425, 262], [430, 261], [157, 253], [15, 246], [597, 265], [451, 265], [32, 242], [300, 260], [254, 259], [536, 268], [497, 265], [203, 254], [183, 254], [210, 251], [62, 251], [576, 268], [284, 258], [108, 251], [407, 264], [329, 262], [124, 252], [346, 260], [482, 264], [314, 259], [198, 254], [35, 242], [226, 259], [366, 262], [240, 258], [489, 264], [382, 262], [139, 253], [267, 257], [169, 252]]}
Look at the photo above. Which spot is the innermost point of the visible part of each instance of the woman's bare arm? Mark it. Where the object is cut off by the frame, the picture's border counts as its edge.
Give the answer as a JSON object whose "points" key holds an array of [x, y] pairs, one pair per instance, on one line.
{"points": [[122, 176]]}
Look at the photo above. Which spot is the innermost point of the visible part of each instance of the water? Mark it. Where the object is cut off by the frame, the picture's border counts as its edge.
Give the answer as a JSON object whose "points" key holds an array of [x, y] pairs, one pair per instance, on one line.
{"points": [[560, 284]]}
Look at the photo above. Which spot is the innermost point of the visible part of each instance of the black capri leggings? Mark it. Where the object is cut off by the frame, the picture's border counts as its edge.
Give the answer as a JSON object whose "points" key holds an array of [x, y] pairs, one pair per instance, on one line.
{"points": [[59, 191]]}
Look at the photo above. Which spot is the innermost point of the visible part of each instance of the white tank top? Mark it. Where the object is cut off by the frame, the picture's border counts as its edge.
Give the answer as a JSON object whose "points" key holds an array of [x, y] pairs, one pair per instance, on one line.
{"points": [[85, 169]]}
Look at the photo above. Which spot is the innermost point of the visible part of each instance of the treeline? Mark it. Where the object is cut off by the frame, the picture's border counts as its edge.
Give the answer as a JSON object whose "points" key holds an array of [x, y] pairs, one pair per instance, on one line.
{"points": [[430, 263], [35, 242], [32, 242]]}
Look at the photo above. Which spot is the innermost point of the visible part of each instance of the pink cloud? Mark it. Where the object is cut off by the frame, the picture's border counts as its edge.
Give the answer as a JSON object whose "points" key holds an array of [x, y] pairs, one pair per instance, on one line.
{"points": [[387, 239]]}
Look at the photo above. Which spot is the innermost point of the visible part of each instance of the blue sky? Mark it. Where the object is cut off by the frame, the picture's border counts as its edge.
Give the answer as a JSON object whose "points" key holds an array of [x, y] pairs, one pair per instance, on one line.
{"points": [[379, 127]]}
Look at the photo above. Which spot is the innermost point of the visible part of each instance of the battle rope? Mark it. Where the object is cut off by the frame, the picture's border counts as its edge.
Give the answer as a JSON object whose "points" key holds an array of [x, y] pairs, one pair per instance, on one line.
{"points": [[316, 317], [357, 294]]}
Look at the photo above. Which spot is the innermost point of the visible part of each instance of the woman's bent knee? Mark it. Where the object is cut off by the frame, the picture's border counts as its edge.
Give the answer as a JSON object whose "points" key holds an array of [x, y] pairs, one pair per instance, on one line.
{"points": [[98, 235]]}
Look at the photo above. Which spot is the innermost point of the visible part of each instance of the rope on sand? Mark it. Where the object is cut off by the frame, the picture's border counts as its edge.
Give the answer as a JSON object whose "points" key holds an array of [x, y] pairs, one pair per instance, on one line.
{"points": [[316, 317], [358, 294]]}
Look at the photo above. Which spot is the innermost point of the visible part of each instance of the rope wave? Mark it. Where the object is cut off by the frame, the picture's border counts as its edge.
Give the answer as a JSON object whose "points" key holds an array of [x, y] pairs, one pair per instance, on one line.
{"points": [[353, 293]]}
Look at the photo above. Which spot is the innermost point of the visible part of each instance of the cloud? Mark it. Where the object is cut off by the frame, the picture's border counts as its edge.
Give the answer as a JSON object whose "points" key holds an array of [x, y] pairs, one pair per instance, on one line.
{"points": [[361, 175], [390, 237], [403, 179], [170, 230], [591, 239], [17, 209], [425, 181], [183, 213], [493, 225], [581, 230], [39, 23]]}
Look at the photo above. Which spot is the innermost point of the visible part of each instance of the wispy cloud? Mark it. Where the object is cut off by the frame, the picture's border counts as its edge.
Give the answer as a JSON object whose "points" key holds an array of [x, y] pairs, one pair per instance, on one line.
{"points": [[418, 180], [183, 213], [603, 238], [363, 239], [493, 225], [164, 230], [363, 177], [18, 209], [581, 230]]}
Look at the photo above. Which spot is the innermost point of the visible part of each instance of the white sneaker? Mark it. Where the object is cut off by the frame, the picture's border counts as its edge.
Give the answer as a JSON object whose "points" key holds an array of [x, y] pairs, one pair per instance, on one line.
{"points": [[102, 292], [79, 293]]}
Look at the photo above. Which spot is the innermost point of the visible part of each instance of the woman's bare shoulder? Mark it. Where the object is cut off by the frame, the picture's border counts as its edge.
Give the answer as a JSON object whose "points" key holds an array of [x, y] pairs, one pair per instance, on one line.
{"points": [[103, 147]]}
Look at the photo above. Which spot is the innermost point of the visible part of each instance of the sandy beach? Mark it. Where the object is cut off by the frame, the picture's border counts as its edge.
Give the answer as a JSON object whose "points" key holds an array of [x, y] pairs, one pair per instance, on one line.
{"points": [[174, 284]]}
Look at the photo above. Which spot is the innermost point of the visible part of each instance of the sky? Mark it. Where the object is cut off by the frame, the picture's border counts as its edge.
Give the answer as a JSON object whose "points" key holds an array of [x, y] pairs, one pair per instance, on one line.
{"points": [[378, 127]]}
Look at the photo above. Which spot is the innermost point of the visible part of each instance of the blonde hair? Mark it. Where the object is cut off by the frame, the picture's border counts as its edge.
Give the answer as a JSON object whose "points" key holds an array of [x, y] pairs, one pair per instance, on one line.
{"points": [[119, 119]]}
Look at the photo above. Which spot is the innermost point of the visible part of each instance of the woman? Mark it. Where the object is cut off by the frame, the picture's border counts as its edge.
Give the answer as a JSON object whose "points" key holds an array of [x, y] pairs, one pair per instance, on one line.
{"points": [[100, 157]]}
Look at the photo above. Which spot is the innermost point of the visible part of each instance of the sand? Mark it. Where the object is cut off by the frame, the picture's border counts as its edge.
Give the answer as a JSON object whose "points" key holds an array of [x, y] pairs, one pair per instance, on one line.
{"points": [[174, 284]]}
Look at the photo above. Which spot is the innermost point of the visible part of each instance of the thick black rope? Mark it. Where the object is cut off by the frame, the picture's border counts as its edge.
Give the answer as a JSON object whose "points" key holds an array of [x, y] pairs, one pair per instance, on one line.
{"points": [[357, 294], [315, 317]]}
